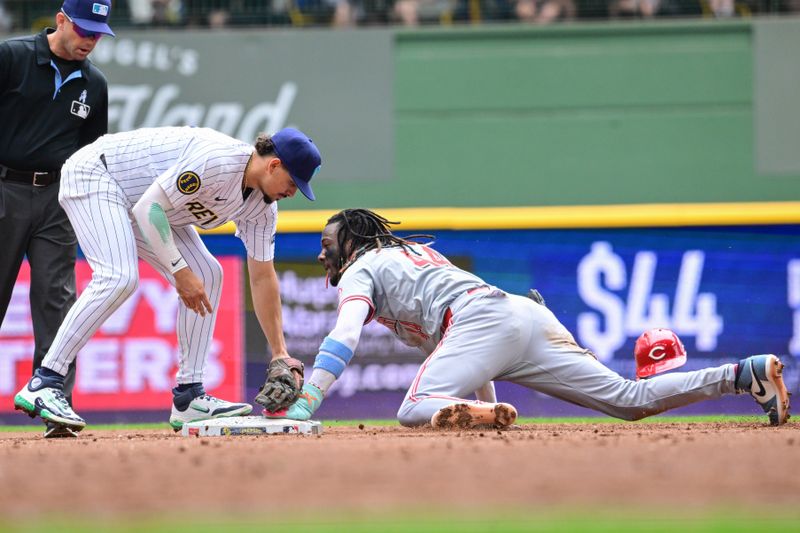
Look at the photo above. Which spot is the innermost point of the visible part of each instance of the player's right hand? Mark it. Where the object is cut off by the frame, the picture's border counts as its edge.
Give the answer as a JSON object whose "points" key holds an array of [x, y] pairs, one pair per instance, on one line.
{"points": [[191, 291]]}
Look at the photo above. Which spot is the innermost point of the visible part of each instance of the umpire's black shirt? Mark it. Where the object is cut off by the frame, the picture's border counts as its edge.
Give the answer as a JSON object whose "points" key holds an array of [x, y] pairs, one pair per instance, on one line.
{"points": [[44, 119]]}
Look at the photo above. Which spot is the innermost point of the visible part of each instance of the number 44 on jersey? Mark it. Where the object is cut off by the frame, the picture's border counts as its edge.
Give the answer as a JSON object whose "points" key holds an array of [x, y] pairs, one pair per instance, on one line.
{"points": [[601, 273]]}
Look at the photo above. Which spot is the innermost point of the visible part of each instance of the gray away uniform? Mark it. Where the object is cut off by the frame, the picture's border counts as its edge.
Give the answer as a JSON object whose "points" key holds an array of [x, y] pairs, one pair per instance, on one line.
{"points": [[475, 333]]}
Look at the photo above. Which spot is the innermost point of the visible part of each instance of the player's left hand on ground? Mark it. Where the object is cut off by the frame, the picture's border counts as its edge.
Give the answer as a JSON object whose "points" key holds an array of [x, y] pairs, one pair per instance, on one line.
{"points": [[305, 406], [283, 385]]}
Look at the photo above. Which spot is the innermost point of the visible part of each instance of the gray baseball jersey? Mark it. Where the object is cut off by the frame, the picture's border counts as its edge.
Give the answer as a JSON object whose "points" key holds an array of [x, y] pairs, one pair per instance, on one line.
{"points": [[408, 291], [201, 172], [475, 333]]}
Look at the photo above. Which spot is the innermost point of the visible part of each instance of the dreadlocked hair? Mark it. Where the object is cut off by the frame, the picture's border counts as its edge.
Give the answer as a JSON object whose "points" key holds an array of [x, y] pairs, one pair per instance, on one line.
{"points": [[367, 230]]}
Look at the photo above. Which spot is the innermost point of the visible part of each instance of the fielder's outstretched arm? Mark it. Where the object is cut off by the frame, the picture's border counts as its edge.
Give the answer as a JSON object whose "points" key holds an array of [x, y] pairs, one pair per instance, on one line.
{"points": [[267, 304]]}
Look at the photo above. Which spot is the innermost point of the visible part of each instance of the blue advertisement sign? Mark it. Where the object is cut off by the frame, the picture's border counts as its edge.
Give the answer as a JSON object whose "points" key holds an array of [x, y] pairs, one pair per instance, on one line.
{"points": [[727, 293]]}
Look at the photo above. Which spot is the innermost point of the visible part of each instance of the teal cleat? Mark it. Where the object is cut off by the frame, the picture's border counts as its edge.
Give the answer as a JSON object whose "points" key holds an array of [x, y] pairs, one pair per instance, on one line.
{"points": [[302, 409]]}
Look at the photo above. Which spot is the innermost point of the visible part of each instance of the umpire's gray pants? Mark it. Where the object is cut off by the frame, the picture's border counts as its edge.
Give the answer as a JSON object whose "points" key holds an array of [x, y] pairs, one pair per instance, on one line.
{"points": [[33, 224]]}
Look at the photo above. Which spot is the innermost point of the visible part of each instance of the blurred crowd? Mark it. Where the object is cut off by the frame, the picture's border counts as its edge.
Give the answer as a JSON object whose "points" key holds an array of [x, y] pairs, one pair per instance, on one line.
{"points": [[24, 15]]}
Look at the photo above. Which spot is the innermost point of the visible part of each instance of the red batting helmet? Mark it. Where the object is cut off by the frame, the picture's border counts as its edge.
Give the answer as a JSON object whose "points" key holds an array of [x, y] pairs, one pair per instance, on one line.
{"points": [[658, 350]]}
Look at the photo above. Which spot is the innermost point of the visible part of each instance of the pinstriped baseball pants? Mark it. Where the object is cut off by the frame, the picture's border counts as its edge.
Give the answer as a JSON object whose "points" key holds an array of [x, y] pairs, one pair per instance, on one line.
{"points": [[100, 214]]}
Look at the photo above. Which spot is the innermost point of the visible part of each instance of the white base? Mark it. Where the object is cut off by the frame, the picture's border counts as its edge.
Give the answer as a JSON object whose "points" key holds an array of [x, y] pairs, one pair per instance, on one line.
{"points": [[250, 425]]}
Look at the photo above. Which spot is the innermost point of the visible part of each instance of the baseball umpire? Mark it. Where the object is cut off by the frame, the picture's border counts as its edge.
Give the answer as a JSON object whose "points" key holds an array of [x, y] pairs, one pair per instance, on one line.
{"points": [[474, 333], [53, 101]]}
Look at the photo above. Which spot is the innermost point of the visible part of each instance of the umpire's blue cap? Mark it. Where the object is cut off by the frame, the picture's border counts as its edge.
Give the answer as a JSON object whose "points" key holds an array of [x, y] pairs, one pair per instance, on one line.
{"points": [[89, 15], [300, 156]]}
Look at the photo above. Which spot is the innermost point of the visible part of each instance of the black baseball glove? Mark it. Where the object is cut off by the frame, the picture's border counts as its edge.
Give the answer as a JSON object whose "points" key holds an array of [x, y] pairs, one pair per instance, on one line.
{"points": [[283, 386]]}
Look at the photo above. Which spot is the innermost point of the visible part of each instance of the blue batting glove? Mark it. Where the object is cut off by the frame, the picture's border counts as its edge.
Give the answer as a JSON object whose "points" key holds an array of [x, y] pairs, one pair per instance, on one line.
{"points": [[302, 409]]}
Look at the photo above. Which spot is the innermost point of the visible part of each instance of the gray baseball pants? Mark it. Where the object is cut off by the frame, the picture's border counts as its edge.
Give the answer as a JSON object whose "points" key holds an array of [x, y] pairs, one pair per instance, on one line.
{"points": [[511, 338]]}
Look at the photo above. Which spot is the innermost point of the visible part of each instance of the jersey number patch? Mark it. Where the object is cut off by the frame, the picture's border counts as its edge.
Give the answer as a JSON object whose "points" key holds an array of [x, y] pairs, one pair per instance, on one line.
{"points": [[433, 258]]}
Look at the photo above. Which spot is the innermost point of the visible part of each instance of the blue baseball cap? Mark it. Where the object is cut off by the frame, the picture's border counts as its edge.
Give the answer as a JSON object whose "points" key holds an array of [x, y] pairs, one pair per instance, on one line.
{"points": [[89, 15], [300, 156]]}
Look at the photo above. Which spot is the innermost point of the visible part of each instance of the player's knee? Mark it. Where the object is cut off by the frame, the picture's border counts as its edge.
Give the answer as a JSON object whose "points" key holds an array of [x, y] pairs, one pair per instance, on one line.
{"points": [[212, 275], [411, 421], [630, 414], [410, 417], [216, 270], [123, 284]]}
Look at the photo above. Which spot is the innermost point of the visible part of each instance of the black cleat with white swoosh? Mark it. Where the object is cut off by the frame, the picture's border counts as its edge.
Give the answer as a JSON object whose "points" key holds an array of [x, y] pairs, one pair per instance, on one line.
{"points": [[761, 376]]}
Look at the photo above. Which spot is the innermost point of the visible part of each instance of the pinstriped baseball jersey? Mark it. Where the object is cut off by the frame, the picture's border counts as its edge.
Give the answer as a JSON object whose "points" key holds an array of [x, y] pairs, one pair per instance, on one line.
{"points": [[408, 292], [201, 171]]}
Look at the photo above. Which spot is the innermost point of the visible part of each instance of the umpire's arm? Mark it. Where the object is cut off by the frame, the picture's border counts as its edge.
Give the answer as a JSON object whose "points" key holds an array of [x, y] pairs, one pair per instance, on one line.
{"points": [[267, 303]]}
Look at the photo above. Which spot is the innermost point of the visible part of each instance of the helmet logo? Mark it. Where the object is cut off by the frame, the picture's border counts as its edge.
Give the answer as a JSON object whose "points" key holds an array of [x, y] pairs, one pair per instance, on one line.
{"points": [[653, 353]]}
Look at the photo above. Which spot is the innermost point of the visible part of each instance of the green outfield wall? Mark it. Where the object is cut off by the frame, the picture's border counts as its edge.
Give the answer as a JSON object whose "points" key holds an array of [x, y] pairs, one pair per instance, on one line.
{"points": [[700, 112], [601, 114]]}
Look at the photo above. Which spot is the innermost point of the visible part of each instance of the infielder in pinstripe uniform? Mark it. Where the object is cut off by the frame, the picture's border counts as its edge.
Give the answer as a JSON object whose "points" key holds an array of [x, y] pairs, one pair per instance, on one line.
{"points": [[139, 194], [474, 333]]}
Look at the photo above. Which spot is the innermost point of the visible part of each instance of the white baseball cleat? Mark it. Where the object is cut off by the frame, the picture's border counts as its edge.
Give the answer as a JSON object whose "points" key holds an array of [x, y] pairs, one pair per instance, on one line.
{"points": [[37, 399], [468, 415], [206, 407]]}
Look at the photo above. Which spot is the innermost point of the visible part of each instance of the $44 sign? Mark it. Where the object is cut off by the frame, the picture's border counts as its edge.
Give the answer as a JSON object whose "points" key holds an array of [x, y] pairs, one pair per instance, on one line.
{"points": [[602, 276]]}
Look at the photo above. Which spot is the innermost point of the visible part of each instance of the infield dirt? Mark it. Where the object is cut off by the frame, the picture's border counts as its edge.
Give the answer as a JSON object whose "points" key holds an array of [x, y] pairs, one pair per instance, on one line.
{"points": [[638, 467]]}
